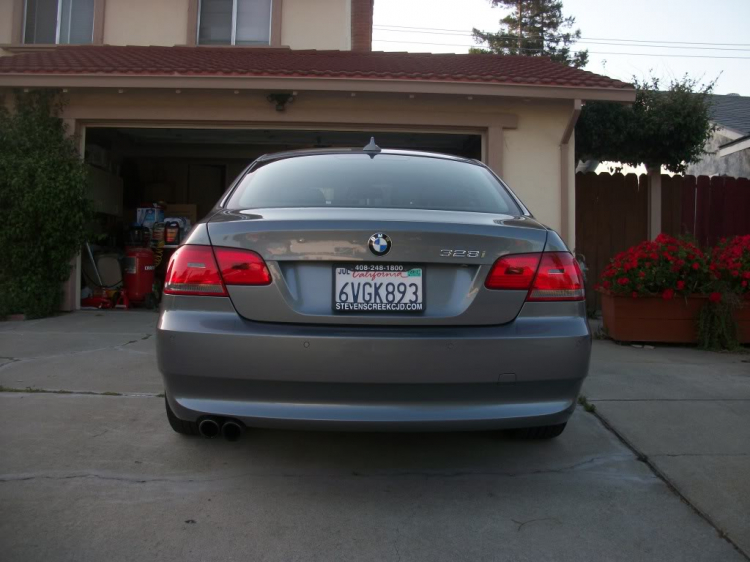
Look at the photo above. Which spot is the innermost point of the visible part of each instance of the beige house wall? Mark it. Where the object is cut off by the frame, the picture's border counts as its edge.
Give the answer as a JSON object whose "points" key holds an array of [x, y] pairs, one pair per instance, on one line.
{"points": [[531, 160], [305, 24], [316, 24], [6, 21], [146, 22], [522, 140]]}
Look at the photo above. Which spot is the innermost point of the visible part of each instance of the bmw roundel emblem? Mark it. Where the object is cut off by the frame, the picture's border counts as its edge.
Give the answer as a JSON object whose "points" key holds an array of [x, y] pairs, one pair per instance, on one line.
{"points": [[379, 244]]}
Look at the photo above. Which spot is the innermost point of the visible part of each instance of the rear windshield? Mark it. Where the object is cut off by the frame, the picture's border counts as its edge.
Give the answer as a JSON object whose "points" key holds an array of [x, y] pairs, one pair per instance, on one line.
{"points": [[385, 181]]}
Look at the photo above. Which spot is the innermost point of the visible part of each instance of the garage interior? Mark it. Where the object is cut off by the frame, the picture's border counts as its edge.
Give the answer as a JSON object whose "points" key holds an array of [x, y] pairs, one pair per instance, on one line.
{"points": [[150, 185]]}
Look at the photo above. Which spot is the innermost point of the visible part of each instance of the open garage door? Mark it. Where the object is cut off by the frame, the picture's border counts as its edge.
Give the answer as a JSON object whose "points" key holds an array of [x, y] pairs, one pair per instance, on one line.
{"points": [[147, 180], [193, 166]]}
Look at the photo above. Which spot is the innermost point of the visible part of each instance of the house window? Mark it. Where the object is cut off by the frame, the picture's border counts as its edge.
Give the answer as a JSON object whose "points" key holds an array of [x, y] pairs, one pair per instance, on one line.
{"points": [[234, 22], [59, 21]]}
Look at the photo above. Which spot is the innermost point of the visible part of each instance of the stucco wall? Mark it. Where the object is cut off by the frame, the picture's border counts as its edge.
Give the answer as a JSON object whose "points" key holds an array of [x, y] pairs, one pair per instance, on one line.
{"points": [[306, 24], [6, 21], [530, 154], [318, 24], [736, 165], [146, 22], [531, 159]]}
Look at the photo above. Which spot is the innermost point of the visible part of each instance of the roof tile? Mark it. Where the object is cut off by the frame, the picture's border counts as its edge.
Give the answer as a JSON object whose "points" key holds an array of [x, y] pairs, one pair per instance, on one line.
{"points": [[243, 61]]}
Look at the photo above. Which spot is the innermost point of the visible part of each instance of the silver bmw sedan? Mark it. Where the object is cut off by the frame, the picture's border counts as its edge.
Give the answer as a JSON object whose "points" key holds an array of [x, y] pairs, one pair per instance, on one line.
{"points": [[369, 289]]}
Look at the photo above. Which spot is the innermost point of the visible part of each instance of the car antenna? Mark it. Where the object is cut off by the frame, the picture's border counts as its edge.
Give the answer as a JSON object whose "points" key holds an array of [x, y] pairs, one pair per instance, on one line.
{"points": [[371, 146]]}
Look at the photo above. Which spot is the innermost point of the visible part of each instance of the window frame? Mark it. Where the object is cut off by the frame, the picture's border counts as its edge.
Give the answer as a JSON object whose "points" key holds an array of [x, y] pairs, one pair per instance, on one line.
{"points": [[58, 24], [233, 34]]}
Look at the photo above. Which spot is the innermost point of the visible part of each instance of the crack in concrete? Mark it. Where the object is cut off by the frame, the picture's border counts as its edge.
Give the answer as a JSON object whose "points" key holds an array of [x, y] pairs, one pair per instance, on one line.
{"points": [[669, 399], [96, 476], [522, 523], [147, 480], [701, 455], [658, 473], [118, 347], [510, 474], [30, 390]]}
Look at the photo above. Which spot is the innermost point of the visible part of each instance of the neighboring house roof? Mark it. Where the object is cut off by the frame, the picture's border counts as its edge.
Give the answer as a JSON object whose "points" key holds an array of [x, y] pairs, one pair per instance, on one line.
{"points": [[731, 112], [270, 62]]}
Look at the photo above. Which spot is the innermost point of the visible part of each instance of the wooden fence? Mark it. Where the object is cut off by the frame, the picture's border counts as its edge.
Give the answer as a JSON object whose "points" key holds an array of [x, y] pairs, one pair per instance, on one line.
{"points": [[612, 214]]}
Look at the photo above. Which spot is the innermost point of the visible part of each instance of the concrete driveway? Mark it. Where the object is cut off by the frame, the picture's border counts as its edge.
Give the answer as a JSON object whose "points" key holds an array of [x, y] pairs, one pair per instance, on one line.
{"points": [[96, 473]]}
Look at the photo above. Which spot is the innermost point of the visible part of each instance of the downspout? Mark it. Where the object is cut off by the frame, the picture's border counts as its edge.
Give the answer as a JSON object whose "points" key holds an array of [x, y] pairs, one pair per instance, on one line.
{"points": [[567, 231]]}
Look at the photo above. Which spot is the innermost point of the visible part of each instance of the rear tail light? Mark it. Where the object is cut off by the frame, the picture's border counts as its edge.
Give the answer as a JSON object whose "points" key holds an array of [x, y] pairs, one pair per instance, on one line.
{"points": [[557, 279], [514, 272], [192, 270], [199, 270], [550, 276], [242, 267]]}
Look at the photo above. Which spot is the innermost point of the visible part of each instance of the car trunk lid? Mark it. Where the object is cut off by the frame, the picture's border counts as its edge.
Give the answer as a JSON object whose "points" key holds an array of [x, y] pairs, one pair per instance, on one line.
{"points": [[303, 247]]}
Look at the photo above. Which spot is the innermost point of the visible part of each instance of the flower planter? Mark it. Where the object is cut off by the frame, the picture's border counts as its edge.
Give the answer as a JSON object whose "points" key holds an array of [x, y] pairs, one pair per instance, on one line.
{"points": [[743, 321], [653, 319]]}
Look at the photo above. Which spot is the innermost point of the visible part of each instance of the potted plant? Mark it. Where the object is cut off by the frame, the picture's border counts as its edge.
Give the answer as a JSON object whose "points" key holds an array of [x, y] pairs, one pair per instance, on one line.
{"points": [[654, 291], [670, 291], [726, 320]]}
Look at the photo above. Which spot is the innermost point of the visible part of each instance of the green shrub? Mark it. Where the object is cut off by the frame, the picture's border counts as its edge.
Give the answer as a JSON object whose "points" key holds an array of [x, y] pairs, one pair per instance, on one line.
{"points": [[717, 328], [43, 205]]}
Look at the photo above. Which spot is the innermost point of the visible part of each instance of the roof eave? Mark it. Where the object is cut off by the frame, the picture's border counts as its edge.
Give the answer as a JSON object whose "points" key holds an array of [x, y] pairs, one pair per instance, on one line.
{"points": [[377, 85]]}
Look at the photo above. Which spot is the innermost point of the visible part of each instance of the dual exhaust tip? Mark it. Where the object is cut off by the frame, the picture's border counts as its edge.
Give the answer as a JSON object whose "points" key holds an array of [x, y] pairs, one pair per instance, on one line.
{"points": [[229, 430]]}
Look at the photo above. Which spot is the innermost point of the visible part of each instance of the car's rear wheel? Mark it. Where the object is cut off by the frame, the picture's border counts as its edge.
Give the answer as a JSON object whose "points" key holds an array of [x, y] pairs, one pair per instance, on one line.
{"points": [[541, 432], [180, 426]]}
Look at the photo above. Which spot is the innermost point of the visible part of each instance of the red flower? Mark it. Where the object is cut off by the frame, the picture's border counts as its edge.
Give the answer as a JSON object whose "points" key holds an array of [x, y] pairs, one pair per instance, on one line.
{"points": [[623, 281], [714, 297], [680, 285], [668, 294], [696, 266], [634, 295]]}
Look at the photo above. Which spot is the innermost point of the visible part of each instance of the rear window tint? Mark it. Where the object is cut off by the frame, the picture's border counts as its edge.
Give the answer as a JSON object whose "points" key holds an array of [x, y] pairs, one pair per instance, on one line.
{"points": [[385, 181]]}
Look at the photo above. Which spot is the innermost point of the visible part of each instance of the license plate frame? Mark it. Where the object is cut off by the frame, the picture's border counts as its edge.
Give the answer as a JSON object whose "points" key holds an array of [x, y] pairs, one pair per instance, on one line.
{"points": [[339, 307]]}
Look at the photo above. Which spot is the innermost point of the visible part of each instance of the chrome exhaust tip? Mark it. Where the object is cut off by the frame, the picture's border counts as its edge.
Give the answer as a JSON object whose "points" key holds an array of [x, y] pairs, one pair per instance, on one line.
{"points": [[208, 428], [232, 431]]}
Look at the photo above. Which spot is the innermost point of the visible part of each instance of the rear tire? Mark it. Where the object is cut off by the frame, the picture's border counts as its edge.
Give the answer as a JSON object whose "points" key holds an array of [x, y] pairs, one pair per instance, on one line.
{"points": [[541, 432], [180, 426]]}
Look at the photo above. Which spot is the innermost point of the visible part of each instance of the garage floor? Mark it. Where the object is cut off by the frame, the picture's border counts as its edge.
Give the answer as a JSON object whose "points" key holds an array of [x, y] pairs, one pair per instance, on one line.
{"points": [[88, 475]]}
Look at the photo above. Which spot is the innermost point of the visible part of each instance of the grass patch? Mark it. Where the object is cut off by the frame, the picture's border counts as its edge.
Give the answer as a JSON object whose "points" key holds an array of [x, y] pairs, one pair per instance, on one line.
{"points": [[588, 406]]}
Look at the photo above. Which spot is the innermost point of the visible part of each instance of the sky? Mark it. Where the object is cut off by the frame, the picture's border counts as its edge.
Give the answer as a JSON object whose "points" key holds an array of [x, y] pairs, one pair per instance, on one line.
{"points": [[654, 31]]}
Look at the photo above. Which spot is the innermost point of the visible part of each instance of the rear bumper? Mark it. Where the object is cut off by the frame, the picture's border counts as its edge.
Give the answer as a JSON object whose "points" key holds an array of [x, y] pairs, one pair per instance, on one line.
{"points": [[525, 373]]}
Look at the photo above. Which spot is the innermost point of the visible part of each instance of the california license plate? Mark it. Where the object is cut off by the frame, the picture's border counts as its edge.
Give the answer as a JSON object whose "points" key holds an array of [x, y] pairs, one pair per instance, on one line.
{"points": [[378, 288]]}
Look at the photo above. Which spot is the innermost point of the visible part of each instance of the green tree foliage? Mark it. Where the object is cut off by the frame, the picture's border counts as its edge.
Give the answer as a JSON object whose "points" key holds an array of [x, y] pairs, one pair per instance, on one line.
{"points": [[662, 128], [534, 28], [43, 204]]}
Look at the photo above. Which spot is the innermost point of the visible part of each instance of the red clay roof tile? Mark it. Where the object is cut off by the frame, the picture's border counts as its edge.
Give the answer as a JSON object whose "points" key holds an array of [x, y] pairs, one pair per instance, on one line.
{"points": [[239, 61]]}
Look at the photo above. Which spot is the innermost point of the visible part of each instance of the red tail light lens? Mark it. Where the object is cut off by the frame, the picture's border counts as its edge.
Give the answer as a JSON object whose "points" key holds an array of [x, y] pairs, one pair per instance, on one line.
{"points": [[192, 270], [199, 270], [242, 267], [551, 276], [514, 272], [558, 279]]}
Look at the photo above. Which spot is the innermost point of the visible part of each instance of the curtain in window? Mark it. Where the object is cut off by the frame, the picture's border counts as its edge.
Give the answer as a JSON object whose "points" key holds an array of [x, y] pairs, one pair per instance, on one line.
{"points": [[76, 21], [216, 22], [253, 22], [41, 21]]}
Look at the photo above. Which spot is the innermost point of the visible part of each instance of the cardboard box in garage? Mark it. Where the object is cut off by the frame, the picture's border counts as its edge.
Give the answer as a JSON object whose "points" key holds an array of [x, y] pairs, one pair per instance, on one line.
{"points": [[182, 210]]}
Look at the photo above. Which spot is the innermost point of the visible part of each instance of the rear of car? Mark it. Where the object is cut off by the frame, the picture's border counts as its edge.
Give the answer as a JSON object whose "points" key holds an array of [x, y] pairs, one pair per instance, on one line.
{"points": [[372, 290]]}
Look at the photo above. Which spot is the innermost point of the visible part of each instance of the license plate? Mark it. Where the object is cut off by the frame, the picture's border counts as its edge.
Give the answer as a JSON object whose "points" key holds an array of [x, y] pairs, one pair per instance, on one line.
{"points": [[378, 288]]}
